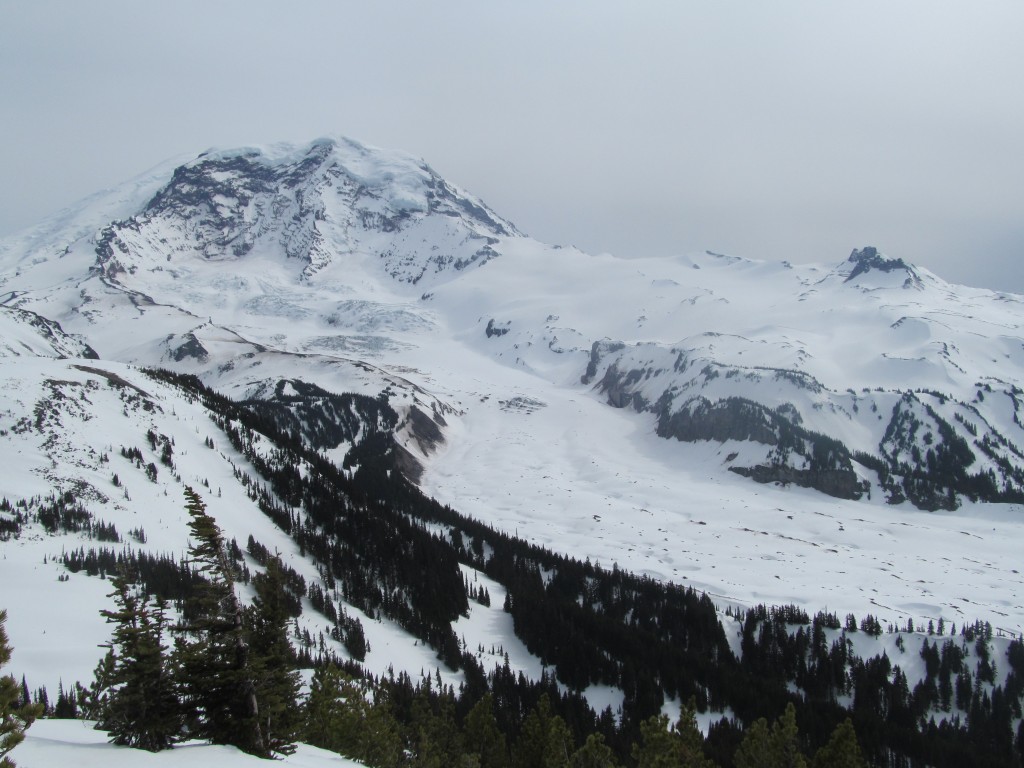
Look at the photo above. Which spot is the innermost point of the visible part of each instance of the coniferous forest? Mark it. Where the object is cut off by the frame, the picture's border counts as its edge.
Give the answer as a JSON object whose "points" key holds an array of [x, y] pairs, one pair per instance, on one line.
{"points": [[188, 659]]}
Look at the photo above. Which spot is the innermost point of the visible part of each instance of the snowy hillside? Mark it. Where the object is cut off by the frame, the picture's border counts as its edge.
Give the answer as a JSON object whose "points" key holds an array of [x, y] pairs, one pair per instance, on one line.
{"points": [[101, 461], [26, 334]]}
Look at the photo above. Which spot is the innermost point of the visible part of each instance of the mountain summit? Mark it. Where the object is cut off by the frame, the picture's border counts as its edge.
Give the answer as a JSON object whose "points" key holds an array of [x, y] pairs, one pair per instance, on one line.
{"points": [[869, 259], [330, 199]]}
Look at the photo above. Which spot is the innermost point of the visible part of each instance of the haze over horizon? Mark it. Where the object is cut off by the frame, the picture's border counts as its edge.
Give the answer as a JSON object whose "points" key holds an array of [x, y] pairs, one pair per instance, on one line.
{"points": [[795, 131]]}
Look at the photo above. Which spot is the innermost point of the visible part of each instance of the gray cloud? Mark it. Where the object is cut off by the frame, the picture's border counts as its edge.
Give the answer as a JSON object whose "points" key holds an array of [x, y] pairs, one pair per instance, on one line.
{"points": [[794, 130]]}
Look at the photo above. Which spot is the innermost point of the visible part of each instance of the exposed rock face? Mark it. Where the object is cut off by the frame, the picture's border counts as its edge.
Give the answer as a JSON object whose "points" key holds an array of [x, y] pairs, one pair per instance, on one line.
{"points": [[798, 455], [801, 457], [191, 348], [599, 350], [496, 329], [426, 430], [867, 259], [616, 386], [407, 464], [731, 419]]}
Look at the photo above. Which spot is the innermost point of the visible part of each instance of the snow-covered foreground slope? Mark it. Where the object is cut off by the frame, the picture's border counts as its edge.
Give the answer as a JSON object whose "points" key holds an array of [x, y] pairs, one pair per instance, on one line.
{"points": [[55, 743], [361, 270], [65, 427]]}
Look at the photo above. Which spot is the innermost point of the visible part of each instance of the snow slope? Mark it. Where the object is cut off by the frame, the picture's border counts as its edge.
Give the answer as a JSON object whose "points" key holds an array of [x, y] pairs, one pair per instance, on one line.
{"points": [[84, 415], [74, 742]]}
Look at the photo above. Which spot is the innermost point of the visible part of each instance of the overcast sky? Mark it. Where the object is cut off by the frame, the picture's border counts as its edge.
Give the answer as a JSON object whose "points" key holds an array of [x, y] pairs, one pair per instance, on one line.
{"points": [[781, 130]]}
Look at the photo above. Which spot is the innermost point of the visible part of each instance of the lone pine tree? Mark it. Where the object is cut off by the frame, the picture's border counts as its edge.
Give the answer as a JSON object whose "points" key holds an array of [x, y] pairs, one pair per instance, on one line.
{"points": [[212, 659], [138, 705], [273, 661]]}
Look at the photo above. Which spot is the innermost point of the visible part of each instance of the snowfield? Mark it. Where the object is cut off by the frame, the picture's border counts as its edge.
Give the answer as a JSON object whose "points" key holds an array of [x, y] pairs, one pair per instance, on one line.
{"points": [[600, 484]]}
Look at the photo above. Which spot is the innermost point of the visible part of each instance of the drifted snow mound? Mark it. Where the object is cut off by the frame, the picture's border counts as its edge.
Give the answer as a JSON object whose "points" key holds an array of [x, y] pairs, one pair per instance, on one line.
{"points": [[59, 743]]}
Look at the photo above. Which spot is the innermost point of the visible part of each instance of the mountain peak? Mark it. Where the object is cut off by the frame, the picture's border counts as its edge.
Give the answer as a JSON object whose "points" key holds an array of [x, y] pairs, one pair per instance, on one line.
{"points": [[316, 203], [870, 259]]}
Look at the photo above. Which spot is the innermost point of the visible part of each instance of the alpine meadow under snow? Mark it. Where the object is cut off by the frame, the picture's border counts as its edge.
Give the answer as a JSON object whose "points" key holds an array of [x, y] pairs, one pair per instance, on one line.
{"points": [[845, 437]]}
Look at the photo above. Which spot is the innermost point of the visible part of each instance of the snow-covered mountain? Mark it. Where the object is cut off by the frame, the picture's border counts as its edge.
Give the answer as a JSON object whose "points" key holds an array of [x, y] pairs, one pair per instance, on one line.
{"points": [[338, 254], [846, 435]]}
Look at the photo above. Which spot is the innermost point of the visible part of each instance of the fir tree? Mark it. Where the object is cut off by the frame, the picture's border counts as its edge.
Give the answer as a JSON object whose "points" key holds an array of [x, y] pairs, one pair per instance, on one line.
{"points": [[273, 662], [334, 712], [137, 703], [483, 740], [690, 739], [785, 742], [544, 739], [662, 747], [13, 719], [212, 663], [66, 707], [436, 738], [656, 748], [778, 748], [754, 751], [842, 750], [340, 717], [593, 754], [93, 701]]}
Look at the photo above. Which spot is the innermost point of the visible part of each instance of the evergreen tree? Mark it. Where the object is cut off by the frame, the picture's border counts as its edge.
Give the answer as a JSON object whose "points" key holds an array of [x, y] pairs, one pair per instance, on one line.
{"points": [[212, 659], [690, 739], [273, 662], [93, 701], [754, 751], [544, 739], [339, 716], [657, 747], [593, 754], [785, 742], [662, 747], [139, 707], [13, 720], [435, 735], [559, 745], [483, 739], [66, 707], [842, 750], [778, 748], [334, 712]]}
